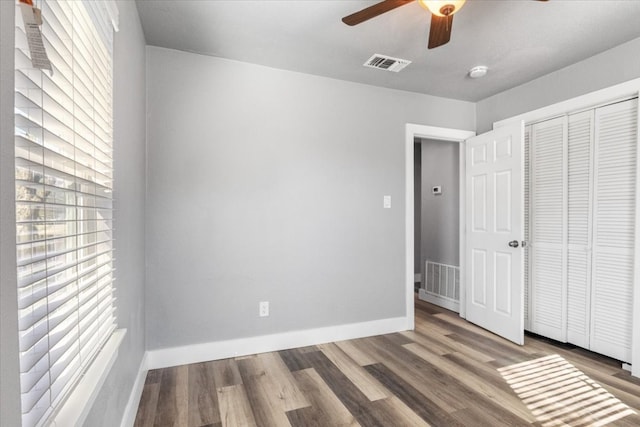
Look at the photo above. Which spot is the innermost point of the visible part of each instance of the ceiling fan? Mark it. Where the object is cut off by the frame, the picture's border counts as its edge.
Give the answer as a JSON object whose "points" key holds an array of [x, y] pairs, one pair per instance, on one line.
{"points": [[441, 16]]}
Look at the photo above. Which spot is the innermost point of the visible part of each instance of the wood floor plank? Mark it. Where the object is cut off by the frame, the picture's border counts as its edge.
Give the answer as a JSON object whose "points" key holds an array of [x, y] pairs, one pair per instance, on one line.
{"points": [[154, 376], [393, 412], [418, 402], [368, 385], [235, 409], [265, 403], [173, 399], [428, 308], [360, 357], [251, 367], [282, 382], [325, 410], [203, 400], [294, 359], [308, 349], [226, 373], [148, 405]]}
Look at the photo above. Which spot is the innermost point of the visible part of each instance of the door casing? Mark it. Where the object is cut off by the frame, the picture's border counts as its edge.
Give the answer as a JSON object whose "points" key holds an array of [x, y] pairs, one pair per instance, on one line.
{"points": [[413, 131]]}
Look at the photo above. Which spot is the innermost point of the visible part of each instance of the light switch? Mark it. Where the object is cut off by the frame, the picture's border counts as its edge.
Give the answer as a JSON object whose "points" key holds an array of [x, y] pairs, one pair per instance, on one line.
{"points": [[387, 202]]}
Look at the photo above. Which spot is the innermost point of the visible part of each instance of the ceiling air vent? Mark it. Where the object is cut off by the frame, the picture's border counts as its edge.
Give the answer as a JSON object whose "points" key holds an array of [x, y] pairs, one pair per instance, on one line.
{"points": [[386, 63]]}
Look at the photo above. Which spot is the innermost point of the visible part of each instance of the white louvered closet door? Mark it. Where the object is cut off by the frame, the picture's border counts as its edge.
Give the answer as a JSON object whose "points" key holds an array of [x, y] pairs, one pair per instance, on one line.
{"points": [[613, 230], [548, 228], [579, 225]]}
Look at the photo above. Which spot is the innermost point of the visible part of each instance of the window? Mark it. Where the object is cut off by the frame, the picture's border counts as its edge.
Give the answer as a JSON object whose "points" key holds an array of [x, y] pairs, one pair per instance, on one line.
{"points": [[64, 182]]}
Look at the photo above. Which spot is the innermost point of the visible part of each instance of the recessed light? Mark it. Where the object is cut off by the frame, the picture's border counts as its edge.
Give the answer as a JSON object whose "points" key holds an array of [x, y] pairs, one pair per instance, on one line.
{"points": [[479, 71]]}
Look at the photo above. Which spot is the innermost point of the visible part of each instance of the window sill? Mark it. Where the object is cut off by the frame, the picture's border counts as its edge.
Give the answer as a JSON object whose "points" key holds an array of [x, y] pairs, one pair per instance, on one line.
{"points": [[75, 409]]}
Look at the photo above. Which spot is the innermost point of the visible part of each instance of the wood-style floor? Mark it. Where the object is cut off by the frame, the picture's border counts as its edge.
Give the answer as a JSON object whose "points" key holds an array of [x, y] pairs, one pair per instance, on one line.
{"points": [[445, 373]]}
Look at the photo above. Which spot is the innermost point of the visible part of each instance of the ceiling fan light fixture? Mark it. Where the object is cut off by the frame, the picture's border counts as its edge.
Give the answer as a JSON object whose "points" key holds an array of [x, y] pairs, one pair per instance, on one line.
{"points": [[442, 7], [479, 71]]}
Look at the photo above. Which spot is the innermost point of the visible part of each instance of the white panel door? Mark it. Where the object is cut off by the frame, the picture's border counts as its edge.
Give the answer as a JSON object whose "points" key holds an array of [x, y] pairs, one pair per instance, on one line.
{"points": [[495, 201]]}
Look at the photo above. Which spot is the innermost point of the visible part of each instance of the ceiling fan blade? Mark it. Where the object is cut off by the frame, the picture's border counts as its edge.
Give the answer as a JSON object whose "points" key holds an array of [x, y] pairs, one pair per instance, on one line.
{"points": [[373, 11], [440, 31]]}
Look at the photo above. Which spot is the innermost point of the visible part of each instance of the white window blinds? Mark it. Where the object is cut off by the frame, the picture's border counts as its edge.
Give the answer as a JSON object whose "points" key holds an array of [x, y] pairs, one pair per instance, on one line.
{"points": [[64, 180]]}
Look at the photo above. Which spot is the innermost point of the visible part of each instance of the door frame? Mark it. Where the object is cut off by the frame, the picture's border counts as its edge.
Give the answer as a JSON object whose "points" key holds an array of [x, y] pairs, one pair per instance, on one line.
{"points": [[413, 131]]}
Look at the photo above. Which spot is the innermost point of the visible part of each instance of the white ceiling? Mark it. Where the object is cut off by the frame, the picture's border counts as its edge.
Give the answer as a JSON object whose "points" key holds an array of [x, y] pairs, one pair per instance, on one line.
{"points": [[518, 40]]}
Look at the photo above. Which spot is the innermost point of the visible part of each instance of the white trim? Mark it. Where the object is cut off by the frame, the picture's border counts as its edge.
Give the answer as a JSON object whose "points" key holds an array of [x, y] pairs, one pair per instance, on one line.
{"points": [[174, 356], [442, 302], [592, 99], [75, 409], [462, 225], [413, 131], [131, 410]]}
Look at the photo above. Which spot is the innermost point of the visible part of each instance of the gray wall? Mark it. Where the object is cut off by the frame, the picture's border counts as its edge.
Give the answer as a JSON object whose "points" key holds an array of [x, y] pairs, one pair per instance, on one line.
{"points": [[9, 366], [129, 129], [440, 237], [267, 185], [617, 65]]}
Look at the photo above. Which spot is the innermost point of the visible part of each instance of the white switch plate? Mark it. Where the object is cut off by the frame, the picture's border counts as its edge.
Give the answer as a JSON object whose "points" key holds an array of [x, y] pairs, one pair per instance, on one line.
{"points": [[264, 309], [387, 202]]}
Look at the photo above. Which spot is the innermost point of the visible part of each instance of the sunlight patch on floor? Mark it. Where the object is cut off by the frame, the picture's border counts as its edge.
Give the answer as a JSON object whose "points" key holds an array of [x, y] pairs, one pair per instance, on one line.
{"points": [[558, 394]]}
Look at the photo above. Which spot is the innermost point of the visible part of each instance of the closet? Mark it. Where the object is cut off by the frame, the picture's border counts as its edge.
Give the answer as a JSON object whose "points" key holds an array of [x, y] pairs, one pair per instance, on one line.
{"points": [[580, 192]]}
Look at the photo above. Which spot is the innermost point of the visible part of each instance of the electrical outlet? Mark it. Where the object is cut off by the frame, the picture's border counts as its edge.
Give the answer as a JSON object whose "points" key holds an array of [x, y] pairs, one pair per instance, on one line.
{"points": [[264, 308]]}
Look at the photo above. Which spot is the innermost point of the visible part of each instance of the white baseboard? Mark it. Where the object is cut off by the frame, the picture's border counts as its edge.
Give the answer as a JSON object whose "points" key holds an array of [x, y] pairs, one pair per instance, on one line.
{"points": [[129, 417], [195, 353], [442, 302], [417, 277]]}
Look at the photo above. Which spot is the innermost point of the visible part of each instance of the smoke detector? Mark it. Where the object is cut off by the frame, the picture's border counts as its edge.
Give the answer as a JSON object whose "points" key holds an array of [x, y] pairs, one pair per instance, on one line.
{"points": [[479, 71]]}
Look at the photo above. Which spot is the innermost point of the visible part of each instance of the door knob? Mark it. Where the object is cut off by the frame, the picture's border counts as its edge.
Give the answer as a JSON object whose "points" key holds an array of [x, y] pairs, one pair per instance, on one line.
{"points": [[514, 244]]}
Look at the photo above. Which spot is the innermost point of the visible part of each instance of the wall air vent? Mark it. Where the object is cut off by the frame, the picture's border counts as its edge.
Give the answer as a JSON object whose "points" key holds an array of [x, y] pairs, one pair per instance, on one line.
{"points": [[386, 63]]}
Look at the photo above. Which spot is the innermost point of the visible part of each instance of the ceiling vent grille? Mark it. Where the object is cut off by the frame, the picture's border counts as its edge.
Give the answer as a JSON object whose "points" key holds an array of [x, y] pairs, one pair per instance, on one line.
{"points": [[388, 63]]}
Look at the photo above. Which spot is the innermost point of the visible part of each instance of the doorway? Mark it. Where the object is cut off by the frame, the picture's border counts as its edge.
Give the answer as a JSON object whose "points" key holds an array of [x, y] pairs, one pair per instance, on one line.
{"points": [[437, 222], [413, 131]]}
